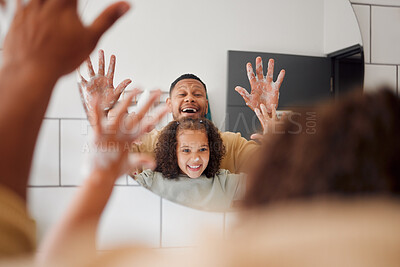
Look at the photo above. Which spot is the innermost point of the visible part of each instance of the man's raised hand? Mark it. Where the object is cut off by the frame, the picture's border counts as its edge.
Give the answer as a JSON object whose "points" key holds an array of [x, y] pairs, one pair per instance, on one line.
{"points": [[100, 86], [263, 89]]}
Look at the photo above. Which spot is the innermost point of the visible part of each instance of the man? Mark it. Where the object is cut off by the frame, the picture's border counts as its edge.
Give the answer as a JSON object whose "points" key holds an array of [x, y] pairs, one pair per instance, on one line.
{"points": [[187, 98]]}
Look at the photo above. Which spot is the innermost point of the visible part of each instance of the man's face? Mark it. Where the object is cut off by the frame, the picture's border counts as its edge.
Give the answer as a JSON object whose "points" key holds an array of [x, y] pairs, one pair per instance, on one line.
{"points": [[188, 99]]}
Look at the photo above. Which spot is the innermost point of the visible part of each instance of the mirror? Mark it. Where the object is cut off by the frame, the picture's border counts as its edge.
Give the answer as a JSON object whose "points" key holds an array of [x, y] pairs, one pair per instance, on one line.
{"points": [[159, 41]]}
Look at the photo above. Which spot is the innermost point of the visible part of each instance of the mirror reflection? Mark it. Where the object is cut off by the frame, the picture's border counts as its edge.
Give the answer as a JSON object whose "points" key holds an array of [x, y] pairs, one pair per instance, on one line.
{"points": [[198, 165]]}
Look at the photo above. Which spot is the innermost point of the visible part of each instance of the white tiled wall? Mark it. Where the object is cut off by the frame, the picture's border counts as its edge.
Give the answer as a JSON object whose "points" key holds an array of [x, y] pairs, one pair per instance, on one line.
{"points": [[131, 216], [74, 148], [45, 169], [180, 222], [47, 204], [134, 213], [377, 75], [364, 17], [379, 21], [385, 37]]}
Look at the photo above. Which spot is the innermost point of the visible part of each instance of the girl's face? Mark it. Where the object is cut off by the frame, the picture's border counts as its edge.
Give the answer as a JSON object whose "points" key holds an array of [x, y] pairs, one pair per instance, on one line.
{"points": [[192, 152]]}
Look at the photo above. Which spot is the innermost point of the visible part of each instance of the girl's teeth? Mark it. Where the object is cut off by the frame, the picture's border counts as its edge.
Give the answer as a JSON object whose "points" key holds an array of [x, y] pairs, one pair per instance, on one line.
{"points": [[194, 167]]}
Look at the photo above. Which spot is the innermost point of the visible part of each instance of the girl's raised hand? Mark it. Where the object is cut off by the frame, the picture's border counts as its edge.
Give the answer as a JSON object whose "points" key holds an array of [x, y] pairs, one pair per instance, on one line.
{"points": [[114, 135]]}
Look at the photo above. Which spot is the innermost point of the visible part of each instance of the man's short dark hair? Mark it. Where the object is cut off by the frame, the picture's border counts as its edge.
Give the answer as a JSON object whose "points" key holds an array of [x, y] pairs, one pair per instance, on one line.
{"points": [[183, 77]]}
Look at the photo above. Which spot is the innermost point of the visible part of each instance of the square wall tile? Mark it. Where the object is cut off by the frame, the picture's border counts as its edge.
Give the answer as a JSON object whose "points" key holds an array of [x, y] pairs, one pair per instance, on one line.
{"points": [[377, 2], [123, 180], [45, 166], [183, 226], [132, 216], [363, 17], [385, 35], [65, 101], [379, 75], [74, 151], [47, 205]]}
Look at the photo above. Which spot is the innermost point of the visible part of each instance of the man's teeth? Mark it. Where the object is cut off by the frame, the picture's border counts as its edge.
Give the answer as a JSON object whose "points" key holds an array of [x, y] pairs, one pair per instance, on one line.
{"points": [[191, 110]]}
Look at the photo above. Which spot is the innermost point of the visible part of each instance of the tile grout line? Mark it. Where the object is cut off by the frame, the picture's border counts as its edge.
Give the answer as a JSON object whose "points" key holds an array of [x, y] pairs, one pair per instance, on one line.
{"points": [[59, 152], [60, 118], [397, 80], [382, 64], [53, 186], [370, 34], [377, 5], [161, 213]]}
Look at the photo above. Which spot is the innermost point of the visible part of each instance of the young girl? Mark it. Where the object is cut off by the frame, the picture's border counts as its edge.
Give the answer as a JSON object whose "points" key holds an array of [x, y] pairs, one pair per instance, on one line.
{"points": [[188, 155]]}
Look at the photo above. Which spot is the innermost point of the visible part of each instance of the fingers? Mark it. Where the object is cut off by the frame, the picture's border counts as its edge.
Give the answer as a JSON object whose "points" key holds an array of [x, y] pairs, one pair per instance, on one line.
{"points": [[121, 109], [83, 99], [266, 114], [266, 119], [101, 63], [270, 71], [121, 87], [246, 96], [257, 137], [280, 79], [250, 73], [107, 18], [111, 68], [259, 69], [81, 83], [90, 68], [154, 96], [284, 116], [260, 118], [97, 118], [140, 161], [149, 125], [139, 116], [273, 114], [81, 80]]}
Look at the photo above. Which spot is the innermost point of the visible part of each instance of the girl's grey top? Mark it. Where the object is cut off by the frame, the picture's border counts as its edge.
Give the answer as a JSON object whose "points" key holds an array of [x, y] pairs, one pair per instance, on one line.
{"points": [[213, 194]]}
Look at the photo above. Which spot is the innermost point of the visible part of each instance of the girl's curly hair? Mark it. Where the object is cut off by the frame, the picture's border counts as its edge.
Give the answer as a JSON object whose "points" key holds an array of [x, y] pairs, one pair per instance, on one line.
{"points": [[166, 158]]}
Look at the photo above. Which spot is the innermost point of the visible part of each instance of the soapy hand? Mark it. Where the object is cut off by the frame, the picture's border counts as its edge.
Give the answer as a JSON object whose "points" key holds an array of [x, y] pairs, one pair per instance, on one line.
{"points": [[269, 121], [100, 86], [114, 136], [263, 89]]}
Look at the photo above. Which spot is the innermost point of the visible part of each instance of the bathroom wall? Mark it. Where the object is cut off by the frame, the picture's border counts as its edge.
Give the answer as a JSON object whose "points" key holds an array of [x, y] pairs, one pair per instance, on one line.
{"points": [[134, 214], [379, 22], [154, 44]]}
